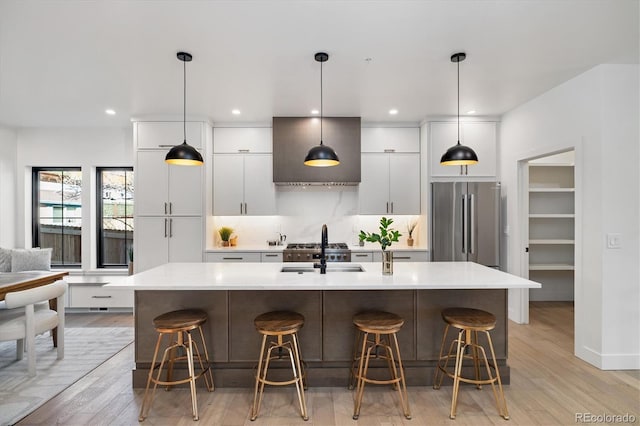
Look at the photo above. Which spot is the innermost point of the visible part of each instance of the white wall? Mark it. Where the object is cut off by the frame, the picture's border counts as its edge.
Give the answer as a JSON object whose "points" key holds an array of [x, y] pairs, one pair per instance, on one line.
{"points": [[8, 146], [87, 148], [597, 114]]}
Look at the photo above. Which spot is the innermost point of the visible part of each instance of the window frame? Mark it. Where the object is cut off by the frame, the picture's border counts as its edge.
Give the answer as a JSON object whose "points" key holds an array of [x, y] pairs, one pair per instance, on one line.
{"points": [[99, 219], [35, 211]]}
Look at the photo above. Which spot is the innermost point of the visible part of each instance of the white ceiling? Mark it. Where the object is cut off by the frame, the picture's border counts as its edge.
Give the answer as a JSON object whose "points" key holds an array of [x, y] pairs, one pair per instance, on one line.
{"points": [[63, 62]]}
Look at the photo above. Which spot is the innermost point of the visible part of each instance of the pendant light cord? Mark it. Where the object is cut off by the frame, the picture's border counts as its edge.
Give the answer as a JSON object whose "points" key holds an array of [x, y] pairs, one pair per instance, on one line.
{"points": [[458, 101], [321, 105], [184, 100]]}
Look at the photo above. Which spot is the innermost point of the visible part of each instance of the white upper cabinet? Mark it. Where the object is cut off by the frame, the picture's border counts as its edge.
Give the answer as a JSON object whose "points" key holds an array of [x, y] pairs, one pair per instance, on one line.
{"points": [[163, 189], [479, 136], [243, 185], [163, 134], [390, 139], [245, 139], [390, 183]]}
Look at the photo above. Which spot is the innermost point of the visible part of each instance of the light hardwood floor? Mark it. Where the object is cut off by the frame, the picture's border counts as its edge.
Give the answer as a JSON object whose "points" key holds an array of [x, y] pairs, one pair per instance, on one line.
{"points": [[549, 386]]}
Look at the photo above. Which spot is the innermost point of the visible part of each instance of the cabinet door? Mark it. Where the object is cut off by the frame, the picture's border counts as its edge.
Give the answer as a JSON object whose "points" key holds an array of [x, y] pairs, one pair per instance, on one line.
{"points": [[259, 189], [156, 134], [185, 190], [151, 242], [374, 187], [152, 176], [442, 136], [396, 139], [481, 137], [185, 239], [228, 184], [404, 183], [247, 139]]}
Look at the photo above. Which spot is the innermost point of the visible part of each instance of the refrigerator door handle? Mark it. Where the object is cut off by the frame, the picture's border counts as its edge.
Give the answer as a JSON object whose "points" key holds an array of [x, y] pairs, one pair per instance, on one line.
{"points": [[472, 223], [464, 223]]}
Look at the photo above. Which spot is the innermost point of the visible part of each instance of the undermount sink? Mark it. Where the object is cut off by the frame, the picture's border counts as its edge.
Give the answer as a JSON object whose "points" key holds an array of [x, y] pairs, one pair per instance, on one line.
{"points": [[330, 268]]}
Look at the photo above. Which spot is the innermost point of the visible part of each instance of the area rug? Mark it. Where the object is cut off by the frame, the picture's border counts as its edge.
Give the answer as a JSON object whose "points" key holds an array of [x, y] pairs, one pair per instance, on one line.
{"points": [[85, 349]]}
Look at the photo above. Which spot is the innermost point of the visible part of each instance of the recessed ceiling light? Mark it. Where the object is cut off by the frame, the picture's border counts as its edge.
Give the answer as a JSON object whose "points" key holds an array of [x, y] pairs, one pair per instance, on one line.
{"points": [[315, 112], [473, 111], [393, 111], [109, 111], [235, 111]]}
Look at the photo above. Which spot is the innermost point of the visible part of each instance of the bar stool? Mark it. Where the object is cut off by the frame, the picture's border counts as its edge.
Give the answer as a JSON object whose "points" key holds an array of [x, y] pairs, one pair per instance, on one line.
{"points": [[180, 323], [469, 322], [274, 327], [375, 330]]}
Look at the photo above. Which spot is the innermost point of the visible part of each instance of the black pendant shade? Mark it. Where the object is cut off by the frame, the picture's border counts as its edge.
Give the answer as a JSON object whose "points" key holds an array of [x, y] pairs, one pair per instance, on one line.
{"points": [[184, 154], [459, 155], [321, 155]]}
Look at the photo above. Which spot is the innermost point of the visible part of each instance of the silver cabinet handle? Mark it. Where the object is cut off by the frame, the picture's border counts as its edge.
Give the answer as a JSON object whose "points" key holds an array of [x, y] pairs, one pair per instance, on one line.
{"points": [[270, 255], [165, 146], [472, 222], [240, 208], [232, 258], [101, 297], [387, 207], [245, 208], [464, 222], [243, 150], [392, 207], [362, 255], [389, 150], [402, 257], [170, 228], [170, 207], [165, 207], [165, 227]]}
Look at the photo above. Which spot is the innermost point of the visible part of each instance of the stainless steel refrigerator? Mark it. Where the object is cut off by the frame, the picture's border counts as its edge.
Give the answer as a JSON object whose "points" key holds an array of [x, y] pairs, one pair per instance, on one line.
{"points": [[465, 222]]}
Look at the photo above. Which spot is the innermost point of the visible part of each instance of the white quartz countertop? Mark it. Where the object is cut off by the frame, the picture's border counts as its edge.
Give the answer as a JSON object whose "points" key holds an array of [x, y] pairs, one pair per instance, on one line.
{"points": [[268, 276]]}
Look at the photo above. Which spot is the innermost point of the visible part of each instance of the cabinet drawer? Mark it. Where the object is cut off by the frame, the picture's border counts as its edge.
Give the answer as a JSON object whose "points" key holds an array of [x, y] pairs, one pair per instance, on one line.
{"points": [[405, 256], [235, 256], [362, 256], [88, 296], [271, 257]]}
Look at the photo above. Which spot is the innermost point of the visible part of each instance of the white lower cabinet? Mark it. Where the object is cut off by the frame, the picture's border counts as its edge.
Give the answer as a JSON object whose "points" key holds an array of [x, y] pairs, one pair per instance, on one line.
{"points": [[162, 239], [362, 256], [271, 257], [97, 296], [404, 256], [233, 256]]}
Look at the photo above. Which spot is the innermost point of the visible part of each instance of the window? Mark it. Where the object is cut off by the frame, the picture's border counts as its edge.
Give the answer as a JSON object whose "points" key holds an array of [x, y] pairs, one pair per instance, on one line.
{"points": [[115, 216], [57, 213]]}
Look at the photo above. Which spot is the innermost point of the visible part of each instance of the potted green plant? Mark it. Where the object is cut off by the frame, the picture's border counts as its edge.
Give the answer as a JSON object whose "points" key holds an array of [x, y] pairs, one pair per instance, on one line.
{"points": [[225, 234], [411, 226], [386, 237]]}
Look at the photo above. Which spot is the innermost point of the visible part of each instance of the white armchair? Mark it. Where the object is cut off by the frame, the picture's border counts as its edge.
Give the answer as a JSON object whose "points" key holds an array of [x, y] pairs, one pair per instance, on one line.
{"points": [[25, 317]]}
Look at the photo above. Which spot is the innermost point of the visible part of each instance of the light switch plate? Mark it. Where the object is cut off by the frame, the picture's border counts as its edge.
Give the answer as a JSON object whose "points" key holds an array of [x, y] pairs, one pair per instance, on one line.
{"points": [[613, 241]]}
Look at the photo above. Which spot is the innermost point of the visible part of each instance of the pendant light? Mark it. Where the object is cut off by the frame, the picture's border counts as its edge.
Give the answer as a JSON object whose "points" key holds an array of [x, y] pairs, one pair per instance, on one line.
{"points": [[321, 155], [184, 154], [459, 155]]}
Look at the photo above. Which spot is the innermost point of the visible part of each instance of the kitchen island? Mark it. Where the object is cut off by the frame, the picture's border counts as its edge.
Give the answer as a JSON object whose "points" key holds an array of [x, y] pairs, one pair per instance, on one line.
{"points": [[233, 294]]}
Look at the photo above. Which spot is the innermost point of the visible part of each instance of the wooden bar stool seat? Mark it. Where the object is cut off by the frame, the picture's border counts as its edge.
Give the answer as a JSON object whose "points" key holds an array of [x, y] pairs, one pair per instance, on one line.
{"points": [[376, 330], [179, 323], [469, 322], [279, 330]]}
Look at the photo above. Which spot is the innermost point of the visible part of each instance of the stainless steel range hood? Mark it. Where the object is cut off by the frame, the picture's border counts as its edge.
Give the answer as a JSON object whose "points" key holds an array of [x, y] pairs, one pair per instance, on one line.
{"points": [[294, 136]]}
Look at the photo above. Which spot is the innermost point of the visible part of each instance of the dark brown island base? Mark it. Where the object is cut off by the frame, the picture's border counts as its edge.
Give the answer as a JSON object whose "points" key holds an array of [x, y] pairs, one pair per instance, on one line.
{"points": [[233, 294]]}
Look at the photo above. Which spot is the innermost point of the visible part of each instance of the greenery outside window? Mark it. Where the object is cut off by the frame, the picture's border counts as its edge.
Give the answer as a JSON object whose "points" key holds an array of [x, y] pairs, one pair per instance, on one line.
{"points": [[115, 191], [57, 213], [115, 198]]}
